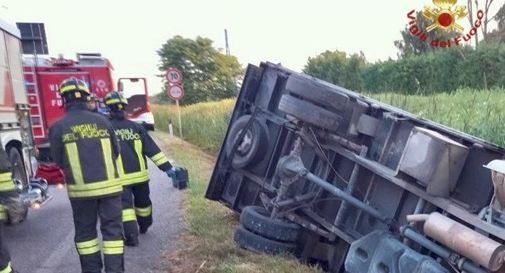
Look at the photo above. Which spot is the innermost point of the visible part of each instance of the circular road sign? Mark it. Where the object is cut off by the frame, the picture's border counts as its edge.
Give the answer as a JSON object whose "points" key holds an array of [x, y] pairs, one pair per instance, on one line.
{"points": [[173, 75], [176, 92]]}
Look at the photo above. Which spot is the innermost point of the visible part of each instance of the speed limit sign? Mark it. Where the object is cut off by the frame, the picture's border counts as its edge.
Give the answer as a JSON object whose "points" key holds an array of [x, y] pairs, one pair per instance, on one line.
{"points": [[175, 91], [173, 75]]}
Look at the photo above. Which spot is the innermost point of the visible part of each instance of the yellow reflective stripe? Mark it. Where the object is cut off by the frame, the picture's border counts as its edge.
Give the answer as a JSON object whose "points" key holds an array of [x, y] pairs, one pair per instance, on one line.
{"points": [[7, 269], [112, 101], [88, 247], [133, 178], [7, 186], [157, 156], [113, 247], [129, 215], [3, 212], [107, 155], [140, 154], [5, 176], [71, 87], [75, 163], [95, 188], [159, 159], [120, 166], [144, 212], [6, 183]]}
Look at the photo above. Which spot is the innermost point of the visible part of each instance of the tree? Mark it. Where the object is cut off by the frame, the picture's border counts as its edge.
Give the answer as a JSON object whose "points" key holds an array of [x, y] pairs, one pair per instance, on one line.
{"points": [[498, 35], [336, 67], [353, 72], [413, 45], [207, 73], [485, 21], [328, 66]]}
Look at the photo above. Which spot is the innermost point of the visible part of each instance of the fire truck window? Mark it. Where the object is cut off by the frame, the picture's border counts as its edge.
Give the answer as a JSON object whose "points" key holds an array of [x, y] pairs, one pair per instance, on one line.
{"points": [[16, 68], [132, 88]]}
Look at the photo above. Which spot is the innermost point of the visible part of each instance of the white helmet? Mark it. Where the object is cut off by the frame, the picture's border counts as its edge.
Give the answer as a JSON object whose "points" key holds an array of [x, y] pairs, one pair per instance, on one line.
{"points": [[497, 165]]}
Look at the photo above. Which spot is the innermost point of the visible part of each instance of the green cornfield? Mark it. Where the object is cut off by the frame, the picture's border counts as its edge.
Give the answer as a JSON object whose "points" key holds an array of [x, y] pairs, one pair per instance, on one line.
{"points": [[477, 112], [480, 113], [203, 124]]}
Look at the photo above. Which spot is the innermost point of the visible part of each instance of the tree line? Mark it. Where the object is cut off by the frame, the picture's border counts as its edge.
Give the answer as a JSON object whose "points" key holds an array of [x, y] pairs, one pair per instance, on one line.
{"points": [[421, 68], [209, 74]]}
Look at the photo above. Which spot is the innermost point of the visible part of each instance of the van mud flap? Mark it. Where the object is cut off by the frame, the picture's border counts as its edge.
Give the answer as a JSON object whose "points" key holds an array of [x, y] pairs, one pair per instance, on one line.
{"points": [[379, 251]]}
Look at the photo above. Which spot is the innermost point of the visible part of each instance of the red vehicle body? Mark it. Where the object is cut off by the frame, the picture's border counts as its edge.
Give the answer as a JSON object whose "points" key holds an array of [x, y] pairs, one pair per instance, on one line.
{"points": [[43, 76]]}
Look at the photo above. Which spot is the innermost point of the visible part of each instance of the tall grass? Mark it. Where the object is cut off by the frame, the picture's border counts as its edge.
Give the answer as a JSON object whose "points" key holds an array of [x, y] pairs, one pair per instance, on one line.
{"points": [[477, 112], [203, 124]]}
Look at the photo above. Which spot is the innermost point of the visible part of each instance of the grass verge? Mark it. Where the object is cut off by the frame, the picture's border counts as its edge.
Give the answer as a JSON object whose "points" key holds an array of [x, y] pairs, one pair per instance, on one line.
{"points": [[208, 245]]}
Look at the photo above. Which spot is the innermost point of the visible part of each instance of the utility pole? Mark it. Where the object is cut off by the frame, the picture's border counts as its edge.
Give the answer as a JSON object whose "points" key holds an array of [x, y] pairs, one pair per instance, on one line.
{"points": [[226, 41]]}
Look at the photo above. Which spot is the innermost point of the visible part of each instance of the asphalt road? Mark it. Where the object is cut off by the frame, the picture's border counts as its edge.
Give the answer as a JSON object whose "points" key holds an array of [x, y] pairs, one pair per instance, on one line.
{"points": [[44, 243]]}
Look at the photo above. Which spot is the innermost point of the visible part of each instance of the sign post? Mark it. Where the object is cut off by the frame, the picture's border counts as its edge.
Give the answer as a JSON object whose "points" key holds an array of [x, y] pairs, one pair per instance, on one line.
{"points": [[175, 91]]}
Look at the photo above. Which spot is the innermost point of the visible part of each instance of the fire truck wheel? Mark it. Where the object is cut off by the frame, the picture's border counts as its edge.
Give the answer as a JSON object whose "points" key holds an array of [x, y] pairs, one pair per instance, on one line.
{"points": [[309, 113], [317, 92], [248, 150], [257, 220], [18, 169], [257, 243], [19, 176]]}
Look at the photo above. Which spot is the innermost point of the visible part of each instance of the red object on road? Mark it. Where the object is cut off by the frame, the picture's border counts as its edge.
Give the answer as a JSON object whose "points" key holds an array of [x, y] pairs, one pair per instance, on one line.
{"points": [[50, 172]]}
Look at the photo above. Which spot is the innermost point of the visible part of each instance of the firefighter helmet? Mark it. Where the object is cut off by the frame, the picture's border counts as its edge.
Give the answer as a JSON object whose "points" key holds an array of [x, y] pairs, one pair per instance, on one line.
{"points": [[115, 100], [115, 97], [74, 89]]}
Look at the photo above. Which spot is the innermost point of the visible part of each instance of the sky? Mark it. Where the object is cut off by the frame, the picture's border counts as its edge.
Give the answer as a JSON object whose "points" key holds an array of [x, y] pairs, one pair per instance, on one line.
{"points": [[129, 33]]}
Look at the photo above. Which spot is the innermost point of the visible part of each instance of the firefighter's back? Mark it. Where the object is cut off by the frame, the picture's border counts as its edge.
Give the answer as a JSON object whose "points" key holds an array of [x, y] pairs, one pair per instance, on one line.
{"points": [[88, 154], [132, 164]]}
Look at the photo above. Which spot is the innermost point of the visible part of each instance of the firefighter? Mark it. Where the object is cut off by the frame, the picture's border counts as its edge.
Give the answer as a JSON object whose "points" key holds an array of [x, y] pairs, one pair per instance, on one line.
{"points": [[91, 103], [135, 144], [7, 191], [85, 146]]}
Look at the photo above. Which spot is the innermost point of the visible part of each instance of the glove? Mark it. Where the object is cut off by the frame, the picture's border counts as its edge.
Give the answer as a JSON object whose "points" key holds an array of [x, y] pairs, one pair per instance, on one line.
{"points": [[172, 173]]}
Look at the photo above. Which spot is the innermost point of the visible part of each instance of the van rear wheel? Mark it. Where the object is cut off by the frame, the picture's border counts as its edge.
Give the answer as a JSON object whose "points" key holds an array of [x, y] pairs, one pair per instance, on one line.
{"points": [[259, 244], [257, 220]]}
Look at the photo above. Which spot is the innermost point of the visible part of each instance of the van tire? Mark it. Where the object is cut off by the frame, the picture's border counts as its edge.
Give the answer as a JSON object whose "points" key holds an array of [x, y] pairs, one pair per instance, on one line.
{"points": [[257, 220], [309, 113], [259, 244], [248, 152]]}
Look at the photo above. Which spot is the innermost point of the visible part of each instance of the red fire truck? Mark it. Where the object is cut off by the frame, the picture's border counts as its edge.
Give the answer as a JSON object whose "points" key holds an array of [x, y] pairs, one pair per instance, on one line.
{"points": [[43, 76]]}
